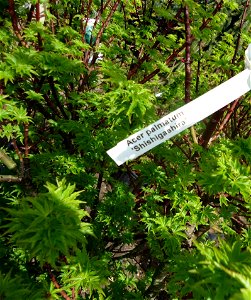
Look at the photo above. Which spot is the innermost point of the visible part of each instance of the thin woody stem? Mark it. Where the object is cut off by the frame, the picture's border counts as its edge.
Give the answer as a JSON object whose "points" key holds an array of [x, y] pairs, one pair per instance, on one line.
{"points": [[103, 7], [19, 153], [73, 294], [168, 60], [188, 76], [217, 116], [226, 119], [212, 125], [30, 14], [9, 163], [10, 178], [188, 57], [38, 11], [182, 47], [181, 149], [106, 22], [14, 21], [87, 18], [56, 97], [198, 69], [99, 35], [26, 145], [216, 10], [55, 283]]}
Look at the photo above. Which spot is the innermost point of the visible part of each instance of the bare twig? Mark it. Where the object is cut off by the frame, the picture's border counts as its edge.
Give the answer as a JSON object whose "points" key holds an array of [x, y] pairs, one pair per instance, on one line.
{"points": [[106, 22], [97, 198], [224, 122], [217, 8], [9, 163], [98, 16], [217, 116], [10, 178], [242, 118], [103, 7]]}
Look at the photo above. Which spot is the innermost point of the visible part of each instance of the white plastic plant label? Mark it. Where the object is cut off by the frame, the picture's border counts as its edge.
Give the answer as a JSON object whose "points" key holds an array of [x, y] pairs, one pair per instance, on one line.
{"points": [[184, 117]]}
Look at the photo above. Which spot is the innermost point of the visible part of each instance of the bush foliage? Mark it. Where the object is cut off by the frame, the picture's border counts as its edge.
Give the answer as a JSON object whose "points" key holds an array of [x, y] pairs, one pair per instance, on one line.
{"points": [[76, 77]]}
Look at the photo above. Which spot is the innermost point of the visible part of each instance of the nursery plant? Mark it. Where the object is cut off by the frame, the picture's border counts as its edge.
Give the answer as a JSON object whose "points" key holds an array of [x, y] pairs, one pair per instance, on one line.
{"points": [[77, 77]]}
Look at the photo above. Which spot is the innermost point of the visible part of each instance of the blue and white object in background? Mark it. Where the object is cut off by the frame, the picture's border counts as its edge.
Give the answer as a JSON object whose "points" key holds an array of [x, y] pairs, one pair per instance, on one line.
{"points": [[88, 31]]}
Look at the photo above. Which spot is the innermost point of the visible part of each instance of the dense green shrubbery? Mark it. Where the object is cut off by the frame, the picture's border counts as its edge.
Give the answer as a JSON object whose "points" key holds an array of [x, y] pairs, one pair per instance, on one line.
{"points": [[173, 224]]}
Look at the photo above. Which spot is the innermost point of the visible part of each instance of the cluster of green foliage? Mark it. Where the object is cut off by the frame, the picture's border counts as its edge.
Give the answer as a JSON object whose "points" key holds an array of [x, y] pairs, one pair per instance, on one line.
{"points": [[172, 224]]}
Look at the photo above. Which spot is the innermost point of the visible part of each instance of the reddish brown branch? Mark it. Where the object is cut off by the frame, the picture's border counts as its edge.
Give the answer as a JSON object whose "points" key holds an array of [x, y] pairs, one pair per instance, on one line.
{"points": [[217, 116], [55, 283], [38, 11], [212, 125], [19, 153], [88, 52], [188, 76], [218, 7], [188, 57], [226, 119], [106, 22], [26, 145], [181, 149], [14, 21], [73, 294], [82, 9], [30, 14], [103, 7], [168, 60]]}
